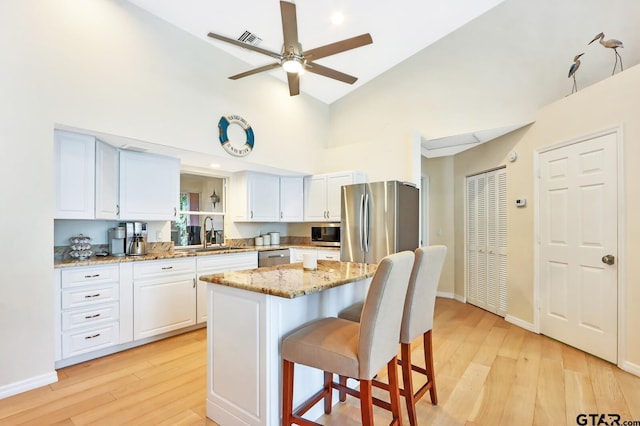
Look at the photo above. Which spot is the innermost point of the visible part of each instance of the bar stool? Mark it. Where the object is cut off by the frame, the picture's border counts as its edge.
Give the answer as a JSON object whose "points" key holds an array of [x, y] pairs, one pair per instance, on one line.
{"points": [[417, 320], [350, 349]]}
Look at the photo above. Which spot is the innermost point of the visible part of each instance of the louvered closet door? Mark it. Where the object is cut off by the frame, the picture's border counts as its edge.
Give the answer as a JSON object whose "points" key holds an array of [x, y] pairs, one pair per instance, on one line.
{"points": [[487, 241]]}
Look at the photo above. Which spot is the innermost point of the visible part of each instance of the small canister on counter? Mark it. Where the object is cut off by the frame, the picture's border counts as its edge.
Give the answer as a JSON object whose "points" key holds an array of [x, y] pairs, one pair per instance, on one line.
{"points": [[275, 238], [267, 239], [259, 241]]}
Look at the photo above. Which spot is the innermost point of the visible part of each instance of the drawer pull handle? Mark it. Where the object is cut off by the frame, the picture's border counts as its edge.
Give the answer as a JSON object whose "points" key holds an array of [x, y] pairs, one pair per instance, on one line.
{"points": [[92, 316], [165, 268], [91, 337], [92, 276], [89, 296]]}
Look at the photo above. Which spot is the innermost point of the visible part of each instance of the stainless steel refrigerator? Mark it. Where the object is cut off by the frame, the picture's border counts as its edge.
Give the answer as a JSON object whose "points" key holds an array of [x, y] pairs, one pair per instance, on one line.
{"points": [[378, 219]]}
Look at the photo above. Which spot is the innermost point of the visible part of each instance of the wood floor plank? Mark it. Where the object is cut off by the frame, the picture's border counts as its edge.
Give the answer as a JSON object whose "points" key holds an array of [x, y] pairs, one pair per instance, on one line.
{"points": [[574, 359], [550, 405], [458, 408], [519, 405], [631, 390], [512, 343], [490, 403], [579, 397], [607, 392]]}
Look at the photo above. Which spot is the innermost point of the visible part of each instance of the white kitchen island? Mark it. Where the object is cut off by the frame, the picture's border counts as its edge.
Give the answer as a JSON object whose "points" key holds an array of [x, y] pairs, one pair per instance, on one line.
{"points": [[249, 313]]}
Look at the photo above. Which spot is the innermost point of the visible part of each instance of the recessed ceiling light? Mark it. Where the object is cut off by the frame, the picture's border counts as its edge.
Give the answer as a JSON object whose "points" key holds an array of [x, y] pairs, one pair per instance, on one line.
{"points": [[214, 165], [337, 18]]}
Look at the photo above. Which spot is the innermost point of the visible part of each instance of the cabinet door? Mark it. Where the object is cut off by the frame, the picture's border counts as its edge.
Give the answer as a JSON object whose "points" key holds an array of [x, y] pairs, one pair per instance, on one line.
{"points": [[291, 199], [216, 264], [163, 304], [149, 186], [264, 197], [74, 164], [334, 183], [315, 198], [107, 166]]}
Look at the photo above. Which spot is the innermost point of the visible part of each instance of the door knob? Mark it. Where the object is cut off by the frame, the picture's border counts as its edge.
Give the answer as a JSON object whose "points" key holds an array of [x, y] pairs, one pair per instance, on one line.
{"points": [[609, 259]]}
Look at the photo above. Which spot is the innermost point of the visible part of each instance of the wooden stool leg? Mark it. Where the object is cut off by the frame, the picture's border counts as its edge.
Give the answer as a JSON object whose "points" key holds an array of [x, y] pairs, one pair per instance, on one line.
{"points": [[394, 391], [428, 362], [343, 395], [366, 403], [407, 379], [328, 378], [287, 393]]}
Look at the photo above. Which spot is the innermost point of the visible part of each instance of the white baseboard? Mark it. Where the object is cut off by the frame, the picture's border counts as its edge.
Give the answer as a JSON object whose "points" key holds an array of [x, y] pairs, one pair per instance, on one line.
{"points": [[445, 295], [28, 384], [520, 323], [630, 367], [460, 299]]}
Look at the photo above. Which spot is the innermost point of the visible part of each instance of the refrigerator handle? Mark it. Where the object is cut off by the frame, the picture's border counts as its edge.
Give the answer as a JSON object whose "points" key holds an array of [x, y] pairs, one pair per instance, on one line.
{"points": [[360, 228], [366, 223]]}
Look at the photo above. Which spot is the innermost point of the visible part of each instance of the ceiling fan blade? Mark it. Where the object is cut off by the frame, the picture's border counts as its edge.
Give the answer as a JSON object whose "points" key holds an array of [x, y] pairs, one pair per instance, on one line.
{"points": [[294, 83], [246, 46], [329, 72], [289, 27], [337, 47], [255, 71]]}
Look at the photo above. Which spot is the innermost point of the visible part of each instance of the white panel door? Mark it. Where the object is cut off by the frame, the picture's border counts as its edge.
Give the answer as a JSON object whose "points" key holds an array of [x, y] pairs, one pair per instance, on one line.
{"points": [[578, 227]]}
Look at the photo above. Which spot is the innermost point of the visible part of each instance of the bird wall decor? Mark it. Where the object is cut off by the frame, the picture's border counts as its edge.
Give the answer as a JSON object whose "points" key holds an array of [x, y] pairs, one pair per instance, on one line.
{"points": [[611, 44], [572, 71]]}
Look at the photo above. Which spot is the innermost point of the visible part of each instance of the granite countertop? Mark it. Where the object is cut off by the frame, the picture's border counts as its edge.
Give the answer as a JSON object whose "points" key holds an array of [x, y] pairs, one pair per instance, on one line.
{"points": [[171, 254], [292, 280]]}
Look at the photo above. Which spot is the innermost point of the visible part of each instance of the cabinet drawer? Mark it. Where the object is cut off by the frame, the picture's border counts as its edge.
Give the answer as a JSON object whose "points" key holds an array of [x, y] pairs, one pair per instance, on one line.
{"points": [[90, 295], [82, 276], [328, 255], [85, 317], [79, 342], [159, 268], [227, 262], [298, 254]]}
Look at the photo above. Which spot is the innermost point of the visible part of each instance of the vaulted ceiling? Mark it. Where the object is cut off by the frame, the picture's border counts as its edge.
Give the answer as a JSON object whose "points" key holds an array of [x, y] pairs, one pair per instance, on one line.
{"points": [[515, 54]]}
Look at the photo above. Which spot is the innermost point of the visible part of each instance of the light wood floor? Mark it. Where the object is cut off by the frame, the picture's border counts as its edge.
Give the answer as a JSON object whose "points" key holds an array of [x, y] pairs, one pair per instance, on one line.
{"points": [[488, 372]]}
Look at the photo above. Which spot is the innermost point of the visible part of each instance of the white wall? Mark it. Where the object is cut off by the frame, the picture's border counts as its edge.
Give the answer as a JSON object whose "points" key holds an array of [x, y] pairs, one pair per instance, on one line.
{"points": [[106, 66]]}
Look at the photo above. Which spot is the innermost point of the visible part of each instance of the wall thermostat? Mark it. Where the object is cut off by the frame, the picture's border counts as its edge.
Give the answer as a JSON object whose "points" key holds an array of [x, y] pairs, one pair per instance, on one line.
{"points": [[513, 156], [521, 202]]}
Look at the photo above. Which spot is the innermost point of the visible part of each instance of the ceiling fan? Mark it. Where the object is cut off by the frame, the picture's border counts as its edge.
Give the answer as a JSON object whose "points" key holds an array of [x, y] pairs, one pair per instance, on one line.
{"points": [[293, 59]]}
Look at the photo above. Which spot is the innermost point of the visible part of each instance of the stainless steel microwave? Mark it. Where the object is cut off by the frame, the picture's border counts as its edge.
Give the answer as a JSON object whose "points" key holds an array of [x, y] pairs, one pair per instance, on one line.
{"points": [[326, 235]]}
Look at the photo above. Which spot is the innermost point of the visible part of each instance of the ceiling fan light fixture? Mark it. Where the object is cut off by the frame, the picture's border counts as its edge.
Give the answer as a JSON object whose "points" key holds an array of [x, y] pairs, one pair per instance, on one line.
{"points": [[292, 64]]}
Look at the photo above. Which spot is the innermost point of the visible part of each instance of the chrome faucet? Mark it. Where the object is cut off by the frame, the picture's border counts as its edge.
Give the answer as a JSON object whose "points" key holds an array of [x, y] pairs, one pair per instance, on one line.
{"points": [[204, 230]]}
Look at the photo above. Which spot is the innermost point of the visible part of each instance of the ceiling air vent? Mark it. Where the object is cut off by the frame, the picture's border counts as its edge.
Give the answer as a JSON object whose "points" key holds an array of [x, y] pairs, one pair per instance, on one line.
{"points": [[250, 38]]}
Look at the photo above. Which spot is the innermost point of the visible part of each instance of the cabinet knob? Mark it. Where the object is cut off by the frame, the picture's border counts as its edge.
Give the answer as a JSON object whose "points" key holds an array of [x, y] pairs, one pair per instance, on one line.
{"points": [[117, 209]]}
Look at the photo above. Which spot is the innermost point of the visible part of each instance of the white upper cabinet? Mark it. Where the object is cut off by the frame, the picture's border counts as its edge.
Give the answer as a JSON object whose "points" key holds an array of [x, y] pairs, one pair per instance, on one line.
{"points": [[107, 191], [322, 195], [255, 197], [149, 186], [74, 175], [291, 199]]}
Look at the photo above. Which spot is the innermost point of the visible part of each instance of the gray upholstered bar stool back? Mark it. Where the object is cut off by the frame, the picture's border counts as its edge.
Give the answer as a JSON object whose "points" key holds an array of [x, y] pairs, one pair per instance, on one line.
{"points": [[417, 321]]}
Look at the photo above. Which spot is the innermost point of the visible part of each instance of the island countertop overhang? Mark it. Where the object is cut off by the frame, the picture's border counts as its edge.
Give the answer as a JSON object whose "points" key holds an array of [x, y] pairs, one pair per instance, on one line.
{"points": [[292, 280]]}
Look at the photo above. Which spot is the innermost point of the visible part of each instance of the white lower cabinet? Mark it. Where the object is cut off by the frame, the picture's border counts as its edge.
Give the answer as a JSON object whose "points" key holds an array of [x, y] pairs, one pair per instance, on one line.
{"points": [[88, 310], [217, 264], [164, 296]]}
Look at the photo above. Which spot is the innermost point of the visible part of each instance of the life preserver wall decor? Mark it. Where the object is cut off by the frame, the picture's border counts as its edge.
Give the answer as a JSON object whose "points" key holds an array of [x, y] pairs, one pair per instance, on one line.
{"points": [[231, 148]]}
